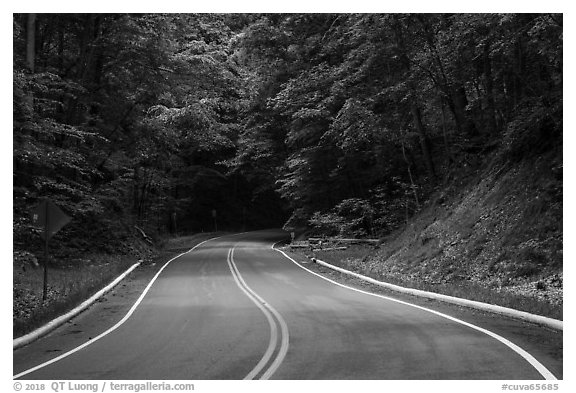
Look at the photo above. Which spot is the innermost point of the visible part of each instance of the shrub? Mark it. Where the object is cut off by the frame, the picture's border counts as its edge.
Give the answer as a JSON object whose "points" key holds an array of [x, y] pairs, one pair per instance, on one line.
{"points": [[351, 217]]}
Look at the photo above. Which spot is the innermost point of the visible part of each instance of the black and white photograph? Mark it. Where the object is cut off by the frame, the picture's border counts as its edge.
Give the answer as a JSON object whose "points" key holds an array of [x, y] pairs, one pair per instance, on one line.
{"points": [[289, 196]]}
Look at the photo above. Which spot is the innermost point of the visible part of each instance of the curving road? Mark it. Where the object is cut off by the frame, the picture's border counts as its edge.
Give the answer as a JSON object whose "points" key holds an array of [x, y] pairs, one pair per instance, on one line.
{"points": [[234, 308]]}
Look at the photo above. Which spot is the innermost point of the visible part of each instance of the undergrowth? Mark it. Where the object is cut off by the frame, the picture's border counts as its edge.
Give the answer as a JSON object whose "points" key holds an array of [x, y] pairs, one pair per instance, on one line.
{"points": [[73, 280], [67, 287], [360, 259]]}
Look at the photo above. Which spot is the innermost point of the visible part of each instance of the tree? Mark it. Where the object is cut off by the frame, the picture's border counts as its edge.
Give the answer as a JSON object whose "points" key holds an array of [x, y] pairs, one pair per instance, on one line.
{"points": [[136, 119], [342, 90]]}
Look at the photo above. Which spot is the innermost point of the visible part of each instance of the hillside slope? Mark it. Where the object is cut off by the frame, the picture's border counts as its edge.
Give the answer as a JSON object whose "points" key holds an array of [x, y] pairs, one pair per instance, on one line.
{"points": [[494, 235]]}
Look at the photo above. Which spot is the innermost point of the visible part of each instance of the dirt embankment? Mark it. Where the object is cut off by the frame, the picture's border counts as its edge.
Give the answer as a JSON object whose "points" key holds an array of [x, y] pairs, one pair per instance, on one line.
{"points": [[497, 239]]}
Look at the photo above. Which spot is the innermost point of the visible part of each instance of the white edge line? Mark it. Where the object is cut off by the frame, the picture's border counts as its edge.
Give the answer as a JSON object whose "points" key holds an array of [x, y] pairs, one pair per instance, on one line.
{"points": [[118, 324], [53, 324], [285, 339], [510, 312], [529, 358], [273, 330]]}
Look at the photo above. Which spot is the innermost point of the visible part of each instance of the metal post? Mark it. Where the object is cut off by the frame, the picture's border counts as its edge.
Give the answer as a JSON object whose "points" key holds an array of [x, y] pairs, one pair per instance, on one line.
{"points": [[46, 226]]}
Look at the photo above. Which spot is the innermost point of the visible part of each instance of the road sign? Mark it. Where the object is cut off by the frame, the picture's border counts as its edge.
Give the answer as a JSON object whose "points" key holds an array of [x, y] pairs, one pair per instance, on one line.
{"points": [[49, 217]]}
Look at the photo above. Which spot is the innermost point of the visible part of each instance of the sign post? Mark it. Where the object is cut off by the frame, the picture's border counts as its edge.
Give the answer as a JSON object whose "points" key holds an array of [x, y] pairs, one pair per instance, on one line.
{"points": [[51, 219], [214, 217], [46, 226]]}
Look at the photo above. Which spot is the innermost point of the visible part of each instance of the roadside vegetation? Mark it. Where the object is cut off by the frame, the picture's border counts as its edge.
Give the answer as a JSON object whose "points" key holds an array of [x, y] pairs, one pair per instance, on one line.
{"points": [[68, 286], [71, 279], [530, 299], [497, 239]]}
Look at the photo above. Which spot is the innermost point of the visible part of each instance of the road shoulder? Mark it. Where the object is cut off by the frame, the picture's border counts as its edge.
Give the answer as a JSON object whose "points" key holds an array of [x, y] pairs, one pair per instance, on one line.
{"points": [[100, 316], [543, 343]]}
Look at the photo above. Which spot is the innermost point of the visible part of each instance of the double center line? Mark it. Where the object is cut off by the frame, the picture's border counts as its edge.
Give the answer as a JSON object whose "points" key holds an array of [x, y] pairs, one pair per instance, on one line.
{"points": [[279, 338]]}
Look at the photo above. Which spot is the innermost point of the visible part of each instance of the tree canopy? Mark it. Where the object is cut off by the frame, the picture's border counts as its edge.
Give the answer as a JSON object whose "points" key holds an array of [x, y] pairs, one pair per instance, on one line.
{"points": [[344, 122]]}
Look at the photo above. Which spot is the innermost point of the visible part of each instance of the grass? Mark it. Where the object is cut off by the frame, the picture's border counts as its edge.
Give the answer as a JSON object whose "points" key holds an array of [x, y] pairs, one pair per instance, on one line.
{"points": [[497, 239], [184, 243], [67, 287], [360, 259]]}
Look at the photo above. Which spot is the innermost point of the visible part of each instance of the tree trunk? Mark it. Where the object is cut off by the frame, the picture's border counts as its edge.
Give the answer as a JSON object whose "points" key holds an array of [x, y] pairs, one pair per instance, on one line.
{"points": [[463, 121], [518, 71], [492, 127], [31, 42], [97, 58], [449, 155], [412, 184], [30, 52], [136, 193], [456, 93], [86, 48], [424, 142], [61, 31]]}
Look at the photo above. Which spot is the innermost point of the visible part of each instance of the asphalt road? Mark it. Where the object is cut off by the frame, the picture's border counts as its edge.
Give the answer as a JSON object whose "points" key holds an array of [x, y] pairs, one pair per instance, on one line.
{"points": [[234, 308]]}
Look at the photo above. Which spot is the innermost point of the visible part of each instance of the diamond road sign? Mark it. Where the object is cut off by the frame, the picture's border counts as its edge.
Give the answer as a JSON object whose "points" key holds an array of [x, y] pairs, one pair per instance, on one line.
{"points": [[49, 217]]}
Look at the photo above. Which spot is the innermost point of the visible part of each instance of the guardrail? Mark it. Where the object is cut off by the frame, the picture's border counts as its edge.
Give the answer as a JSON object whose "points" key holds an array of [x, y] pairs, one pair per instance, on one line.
{"points": [[329, 244], [509, 312], [342, 240]]}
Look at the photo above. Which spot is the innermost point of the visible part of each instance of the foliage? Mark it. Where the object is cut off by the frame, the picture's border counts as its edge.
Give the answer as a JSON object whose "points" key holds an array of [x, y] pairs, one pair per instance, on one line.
{"points": [[387, 107], [126, 120], [351, 217], [155, 120]]}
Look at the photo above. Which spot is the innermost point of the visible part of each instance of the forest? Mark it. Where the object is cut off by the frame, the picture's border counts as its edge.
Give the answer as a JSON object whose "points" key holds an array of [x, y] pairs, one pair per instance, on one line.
{"points": [[346, 124]]}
